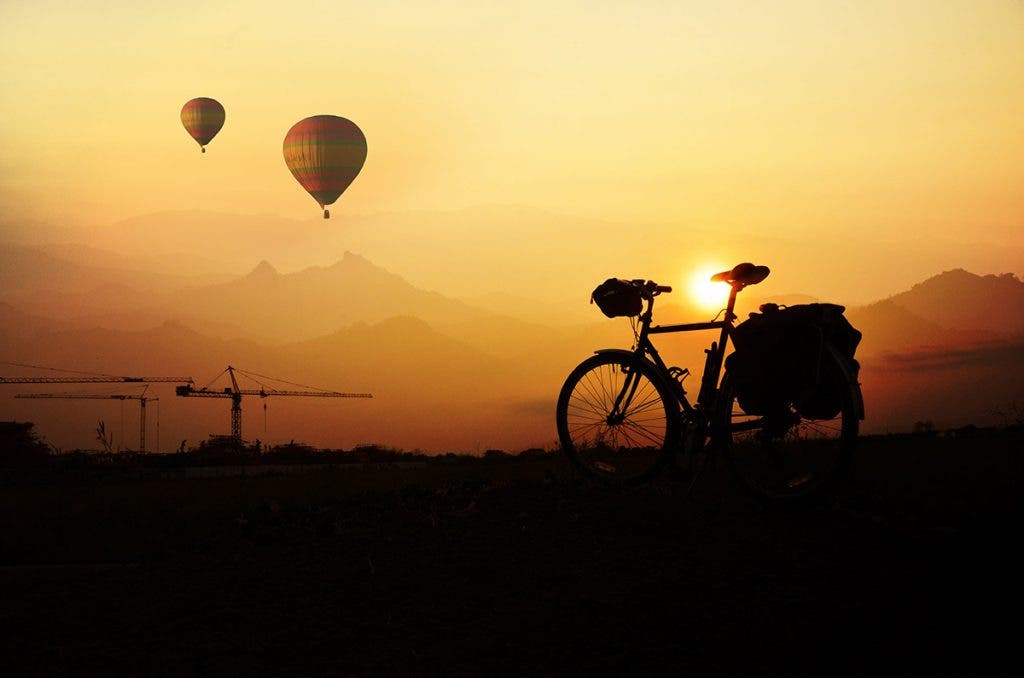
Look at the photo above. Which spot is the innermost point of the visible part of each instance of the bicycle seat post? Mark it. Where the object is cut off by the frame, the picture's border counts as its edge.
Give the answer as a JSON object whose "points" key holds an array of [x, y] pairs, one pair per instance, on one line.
{"points": [[716, 354], [730, 316]]}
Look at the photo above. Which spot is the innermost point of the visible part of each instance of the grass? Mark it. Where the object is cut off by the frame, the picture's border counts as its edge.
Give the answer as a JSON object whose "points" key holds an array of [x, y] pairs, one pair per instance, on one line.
{"points": [[516, 566], [117, 518], [946, 483]]}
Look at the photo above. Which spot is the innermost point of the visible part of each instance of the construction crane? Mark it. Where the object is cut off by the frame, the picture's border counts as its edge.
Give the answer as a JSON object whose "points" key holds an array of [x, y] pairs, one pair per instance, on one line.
{"points": [[87, 378], [142, 398], [94, 380], [235, 393]]}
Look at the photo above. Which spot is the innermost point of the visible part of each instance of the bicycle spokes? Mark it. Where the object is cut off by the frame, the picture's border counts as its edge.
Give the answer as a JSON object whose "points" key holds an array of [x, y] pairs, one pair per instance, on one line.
{"points": [[616, 418], [784, 456]]}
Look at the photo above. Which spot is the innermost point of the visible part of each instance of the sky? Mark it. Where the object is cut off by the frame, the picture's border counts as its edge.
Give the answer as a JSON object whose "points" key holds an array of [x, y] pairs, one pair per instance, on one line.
{"points": [[895, 118], [855, 147]]}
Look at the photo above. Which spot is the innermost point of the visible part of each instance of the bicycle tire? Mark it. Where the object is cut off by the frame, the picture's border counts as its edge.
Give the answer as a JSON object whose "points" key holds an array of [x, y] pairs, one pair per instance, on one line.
{"points": [[624, 449], [795, 465]]}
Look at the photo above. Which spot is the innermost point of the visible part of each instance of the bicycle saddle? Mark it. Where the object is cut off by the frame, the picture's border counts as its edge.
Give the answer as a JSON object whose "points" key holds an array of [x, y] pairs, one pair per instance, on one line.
{"points": [[744, 274]]}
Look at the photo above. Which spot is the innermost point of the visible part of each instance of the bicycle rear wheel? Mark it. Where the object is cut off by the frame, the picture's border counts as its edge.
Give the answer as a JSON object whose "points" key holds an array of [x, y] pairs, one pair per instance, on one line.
{"points": [[787, 459], [617, 421]]}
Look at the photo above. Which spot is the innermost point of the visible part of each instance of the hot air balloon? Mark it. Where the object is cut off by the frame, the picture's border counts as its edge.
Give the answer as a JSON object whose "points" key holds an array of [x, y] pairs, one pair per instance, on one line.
{"points": [[324, 154], [202, 118]]}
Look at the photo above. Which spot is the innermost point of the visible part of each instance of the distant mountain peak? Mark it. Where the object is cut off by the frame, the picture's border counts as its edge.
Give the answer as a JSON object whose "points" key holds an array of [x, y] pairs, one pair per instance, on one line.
{"points": [[351, 259], [958, 278], [965, 301], [263, 270], [358, 265], [960, 273]]}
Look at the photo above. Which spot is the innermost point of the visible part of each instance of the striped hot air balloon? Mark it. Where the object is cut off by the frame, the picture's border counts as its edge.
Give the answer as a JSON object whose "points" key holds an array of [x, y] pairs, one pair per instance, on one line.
{"points": [[324, 154], [202, 118]]}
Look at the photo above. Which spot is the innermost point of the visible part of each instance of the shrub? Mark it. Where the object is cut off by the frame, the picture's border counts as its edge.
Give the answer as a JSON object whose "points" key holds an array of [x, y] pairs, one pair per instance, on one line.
{"points": [[19, 446]]}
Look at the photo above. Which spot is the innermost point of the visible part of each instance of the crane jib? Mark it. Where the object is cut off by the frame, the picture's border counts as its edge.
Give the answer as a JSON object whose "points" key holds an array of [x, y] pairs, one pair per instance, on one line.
{"points": [[235, 392], [93, 380]]}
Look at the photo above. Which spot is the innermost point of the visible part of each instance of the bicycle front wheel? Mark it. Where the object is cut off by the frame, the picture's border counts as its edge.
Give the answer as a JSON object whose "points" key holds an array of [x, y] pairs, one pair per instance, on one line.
{"points": [[785, 458], [617, 420]]}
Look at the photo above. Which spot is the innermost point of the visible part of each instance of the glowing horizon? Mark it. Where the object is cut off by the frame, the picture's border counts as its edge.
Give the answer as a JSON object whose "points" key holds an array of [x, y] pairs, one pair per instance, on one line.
{"points": [[899, 124]]}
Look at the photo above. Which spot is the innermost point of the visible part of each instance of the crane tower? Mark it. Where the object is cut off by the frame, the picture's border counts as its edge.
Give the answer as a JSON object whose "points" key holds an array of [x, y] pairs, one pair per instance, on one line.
{"points": [[142, 398], [235, 393]]}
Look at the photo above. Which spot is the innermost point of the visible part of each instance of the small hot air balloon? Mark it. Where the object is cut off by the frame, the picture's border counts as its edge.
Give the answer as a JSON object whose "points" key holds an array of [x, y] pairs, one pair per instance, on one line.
{"points": [[202, 118], [324, 154]]}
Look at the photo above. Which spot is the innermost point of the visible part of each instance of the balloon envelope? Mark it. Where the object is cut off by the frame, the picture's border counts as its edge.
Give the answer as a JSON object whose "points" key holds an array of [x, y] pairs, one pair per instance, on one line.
{"points": [[202, 118], [324, 154]]}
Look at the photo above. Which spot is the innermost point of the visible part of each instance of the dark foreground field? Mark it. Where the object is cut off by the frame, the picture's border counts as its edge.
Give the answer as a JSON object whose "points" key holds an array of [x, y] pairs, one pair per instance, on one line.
{"points": [[518, 568]]}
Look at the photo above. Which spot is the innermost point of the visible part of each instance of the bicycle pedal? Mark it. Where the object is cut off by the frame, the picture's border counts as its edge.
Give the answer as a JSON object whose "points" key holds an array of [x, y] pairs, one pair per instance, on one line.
{"points": [[678, 373]]}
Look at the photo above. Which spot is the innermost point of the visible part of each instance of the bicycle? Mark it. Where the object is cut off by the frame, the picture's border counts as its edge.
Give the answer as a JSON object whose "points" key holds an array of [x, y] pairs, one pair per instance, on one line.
{"points": [[623, 415]]}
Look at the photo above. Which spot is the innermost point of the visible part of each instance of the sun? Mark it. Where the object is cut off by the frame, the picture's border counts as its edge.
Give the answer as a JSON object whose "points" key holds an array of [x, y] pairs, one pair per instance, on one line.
{"points": [[710, 296]]}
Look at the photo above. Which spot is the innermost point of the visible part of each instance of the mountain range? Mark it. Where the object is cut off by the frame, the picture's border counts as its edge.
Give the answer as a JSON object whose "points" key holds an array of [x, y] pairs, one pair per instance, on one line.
{"points": [[446, 373], [520, 251]]}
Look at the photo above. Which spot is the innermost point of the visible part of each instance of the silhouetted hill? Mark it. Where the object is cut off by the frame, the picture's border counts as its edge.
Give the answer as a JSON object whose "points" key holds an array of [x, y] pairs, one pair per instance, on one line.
{"points": [[886, 326], [171, 348], [562, 255], [961, 300], [952, 309], [399, 353], [430, 391], [527, 252], [317, 300], [36, 281], [446, 374], [263, 271], [948, 350]]}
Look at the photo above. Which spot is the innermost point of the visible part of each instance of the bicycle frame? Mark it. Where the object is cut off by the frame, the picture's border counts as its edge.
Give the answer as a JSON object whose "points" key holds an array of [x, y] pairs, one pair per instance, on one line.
{"points": [[706, 397], [623, 415]]}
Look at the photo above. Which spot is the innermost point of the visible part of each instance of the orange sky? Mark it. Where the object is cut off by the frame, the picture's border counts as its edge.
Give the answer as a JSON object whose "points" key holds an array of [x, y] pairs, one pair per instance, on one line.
{"points": [[898, 119]]}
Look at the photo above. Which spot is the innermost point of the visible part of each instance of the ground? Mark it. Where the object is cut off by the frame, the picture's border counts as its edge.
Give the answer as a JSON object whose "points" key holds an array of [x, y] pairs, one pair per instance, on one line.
{"points": [[518, 567]]}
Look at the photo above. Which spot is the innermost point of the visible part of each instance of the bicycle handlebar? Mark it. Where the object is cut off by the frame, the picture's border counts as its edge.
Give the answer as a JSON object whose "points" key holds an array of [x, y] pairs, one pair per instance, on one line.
{"points": [[650, 289], [654, 288]]}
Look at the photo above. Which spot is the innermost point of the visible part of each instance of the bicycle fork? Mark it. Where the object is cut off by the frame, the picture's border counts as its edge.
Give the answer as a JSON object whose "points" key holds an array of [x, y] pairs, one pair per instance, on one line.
{"points": [[625, 397]]}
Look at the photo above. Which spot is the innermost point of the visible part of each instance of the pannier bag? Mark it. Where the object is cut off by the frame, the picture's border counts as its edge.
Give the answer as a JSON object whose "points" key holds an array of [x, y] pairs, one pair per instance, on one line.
{"points": [[617, 298], [782, 358]]}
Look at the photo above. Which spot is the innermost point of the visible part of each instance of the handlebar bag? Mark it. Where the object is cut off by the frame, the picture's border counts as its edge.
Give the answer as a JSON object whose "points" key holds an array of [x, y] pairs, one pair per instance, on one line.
{"points": [[617, 298]]}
